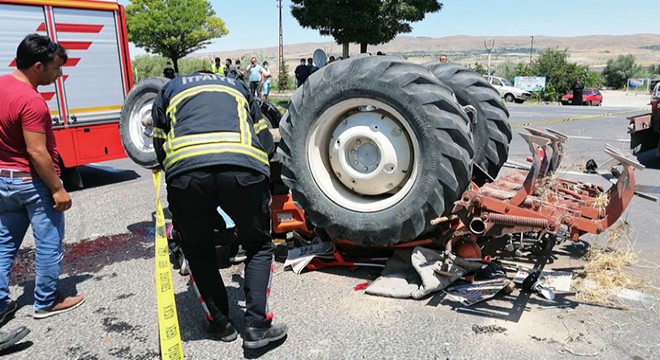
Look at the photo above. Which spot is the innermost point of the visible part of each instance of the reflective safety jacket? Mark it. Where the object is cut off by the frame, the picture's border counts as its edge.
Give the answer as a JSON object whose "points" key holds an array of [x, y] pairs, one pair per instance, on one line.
{"points": [[219, 70], [204, 120]]}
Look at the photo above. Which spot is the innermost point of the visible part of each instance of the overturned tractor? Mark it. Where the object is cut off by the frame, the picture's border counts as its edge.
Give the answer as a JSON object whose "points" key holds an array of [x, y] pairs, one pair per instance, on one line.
{"points": [[377, 151]]}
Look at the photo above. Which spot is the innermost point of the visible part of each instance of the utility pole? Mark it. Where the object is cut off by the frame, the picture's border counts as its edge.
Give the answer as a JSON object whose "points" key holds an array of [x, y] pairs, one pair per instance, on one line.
{"points": [[531, 50], [281, 53], [489, 45]]}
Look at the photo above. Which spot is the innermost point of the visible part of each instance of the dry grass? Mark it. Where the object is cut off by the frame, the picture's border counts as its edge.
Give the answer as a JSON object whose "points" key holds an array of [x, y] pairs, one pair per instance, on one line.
{"points": [[547, 192], [606, 269], [601, 202]]}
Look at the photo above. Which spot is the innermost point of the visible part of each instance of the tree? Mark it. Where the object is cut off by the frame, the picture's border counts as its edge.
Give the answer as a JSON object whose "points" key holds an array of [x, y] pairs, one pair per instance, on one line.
{"points": [[507, 70], [654, 69], [619, 70], [478, 68], [283, 79], [145, 66], [367, 22], [173, 28], [559, 73]]}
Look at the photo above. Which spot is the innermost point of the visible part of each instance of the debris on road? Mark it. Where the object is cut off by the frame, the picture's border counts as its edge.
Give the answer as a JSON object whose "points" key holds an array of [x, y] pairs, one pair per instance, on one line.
{"points": [[416, 273], [478, 291], [555, 280], [488, 329], [299, 257], [605, 273]]}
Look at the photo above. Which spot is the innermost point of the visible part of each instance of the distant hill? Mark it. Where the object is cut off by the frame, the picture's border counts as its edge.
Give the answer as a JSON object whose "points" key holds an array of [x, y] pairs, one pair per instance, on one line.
{"points": [[592, 50]]}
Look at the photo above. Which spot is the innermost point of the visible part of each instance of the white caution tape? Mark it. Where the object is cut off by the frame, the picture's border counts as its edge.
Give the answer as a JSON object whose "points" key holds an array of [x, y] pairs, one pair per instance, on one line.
{"points": [[168, 322]]}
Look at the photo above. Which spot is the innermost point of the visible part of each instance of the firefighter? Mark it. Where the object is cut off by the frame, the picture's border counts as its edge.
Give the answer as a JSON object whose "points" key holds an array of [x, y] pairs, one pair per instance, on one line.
{"points": [[214, 145]]}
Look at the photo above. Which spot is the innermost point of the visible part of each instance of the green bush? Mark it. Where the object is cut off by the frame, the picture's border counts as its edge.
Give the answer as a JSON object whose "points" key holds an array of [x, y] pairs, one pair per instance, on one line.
{"points": [[145, 66], [619, 70]]}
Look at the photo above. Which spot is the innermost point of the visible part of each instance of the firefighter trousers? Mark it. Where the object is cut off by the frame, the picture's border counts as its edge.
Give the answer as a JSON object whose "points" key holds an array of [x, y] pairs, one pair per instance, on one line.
{"points": [[244, 195]]}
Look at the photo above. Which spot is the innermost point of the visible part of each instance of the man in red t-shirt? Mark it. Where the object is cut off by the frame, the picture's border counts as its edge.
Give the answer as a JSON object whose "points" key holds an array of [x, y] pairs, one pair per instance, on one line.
{"points": [[31, 192]]}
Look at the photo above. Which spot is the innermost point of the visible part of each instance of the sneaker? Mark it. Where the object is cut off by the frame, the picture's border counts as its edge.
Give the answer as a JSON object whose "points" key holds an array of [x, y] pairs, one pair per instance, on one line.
{"points": [[62, 304], [255, 337], [224, 333], [8, 311], [8, 339]]}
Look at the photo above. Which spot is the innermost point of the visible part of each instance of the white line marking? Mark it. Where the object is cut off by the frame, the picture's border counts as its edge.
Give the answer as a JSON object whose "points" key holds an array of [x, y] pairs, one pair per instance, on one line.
{"points": [[596, 138]]}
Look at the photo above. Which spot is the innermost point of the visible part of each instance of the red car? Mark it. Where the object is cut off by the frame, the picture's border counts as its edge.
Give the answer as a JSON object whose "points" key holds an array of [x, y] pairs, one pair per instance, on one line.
{"points": [[590, 97]]}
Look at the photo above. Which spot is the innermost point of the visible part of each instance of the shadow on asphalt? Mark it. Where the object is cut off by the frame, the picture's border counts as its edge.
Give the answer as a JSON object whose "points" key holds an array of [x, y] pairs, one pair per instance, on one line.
{"points": [[97, 175], [649, 159], [17, 348], [512, 306], [257, 353], [192, 317], [68, 287]]}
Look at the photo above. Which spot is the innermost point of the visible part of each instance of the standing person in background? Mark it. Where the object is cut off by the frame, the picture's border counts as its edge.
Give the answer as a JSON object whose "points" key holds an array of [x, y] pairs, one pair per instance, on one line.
{"points": [[301, 72], [266, 80], [239, 73], [255, 78], [168, 71], [310, 65], [31, 190], [217, 67], [577, 92], [230, 70]]}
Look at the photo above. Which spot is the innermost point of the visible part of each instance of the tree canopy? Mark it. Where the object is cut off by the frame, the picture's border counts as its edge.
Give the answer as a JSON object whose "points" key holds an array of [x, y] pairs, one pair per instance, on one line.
{"points": [[173, 28], [560, 74], [367, 22], [619, 70]]}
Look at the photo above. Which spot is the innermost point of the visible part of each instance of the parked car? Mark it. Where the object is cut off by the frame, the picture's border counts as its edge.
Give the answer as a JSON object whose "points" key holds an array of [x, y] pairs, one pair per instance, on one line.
{"points": [[507, 91], [653, 84], [590, 96]]}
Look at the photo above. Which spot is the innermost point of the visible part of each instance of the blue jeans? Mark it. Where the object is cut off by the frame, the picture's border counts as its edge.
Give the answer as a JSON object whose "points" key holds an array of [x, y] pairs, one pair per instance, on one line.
{"points": [[23, 203]]}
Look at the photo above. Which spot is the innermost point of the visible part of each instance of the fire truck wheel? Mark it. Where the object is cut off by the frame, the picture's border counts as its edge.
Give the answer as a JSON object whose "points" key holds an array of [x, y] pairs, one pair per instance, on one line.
{"points": [[136, 123], [270, 112], [373, 148], [491, 131]]}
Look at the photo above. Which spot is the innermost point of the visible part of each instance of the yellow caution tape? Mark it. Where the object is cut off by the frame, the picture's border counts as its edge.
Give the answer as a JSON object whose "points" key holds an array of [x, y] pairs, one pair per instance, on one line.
{"points": [[577, 118], [168, 322]]}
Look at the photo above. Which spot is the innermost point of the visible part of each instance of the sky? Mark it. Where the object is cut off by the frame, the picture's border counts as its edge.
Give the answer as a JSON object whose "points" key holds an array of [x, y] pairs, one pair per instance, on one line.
{"points": [[254, 24]]}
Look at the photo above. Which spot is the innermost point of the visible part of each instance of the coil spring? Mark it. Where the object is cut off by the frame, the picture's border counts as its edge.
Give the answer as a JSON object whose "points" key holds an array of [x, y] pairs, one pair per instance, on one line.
{"points": [[512, 220]]}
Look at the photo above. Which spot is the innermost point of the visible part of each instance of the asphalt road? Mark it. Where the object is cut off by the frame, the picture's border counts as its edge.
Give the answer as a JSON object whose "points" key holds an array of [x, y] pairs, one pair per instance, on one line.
{"points": [[109, 259]]}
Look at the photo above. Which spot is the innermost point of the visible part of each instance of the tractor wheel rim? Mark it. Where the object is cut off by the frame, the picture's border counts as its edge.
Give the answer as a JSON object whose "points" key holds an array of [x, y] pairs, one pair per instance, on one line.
{"points": [[363, 155], [141, 124]]}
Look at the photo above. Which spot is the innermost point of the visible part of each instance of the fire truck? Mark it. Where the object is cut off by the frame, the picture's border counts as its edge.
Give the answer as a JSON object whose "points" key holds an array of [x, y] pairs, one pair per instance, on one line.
{"points": [[85, 103]]}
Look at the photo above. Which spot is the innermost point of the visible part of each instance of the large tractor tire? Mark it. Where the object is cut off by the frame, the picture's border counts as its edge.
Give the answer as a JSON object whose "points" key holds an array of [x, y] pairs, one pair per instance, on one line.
{"points": [[270, 112], [373, 148], [136, 112], [491, 131]]}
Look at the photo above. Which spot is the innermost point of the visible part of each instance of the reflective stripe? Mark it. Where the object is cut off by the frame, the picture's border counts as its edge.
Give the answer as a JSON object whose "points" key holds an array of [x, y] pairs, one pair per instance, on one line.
{"points": [[240, 98], [241, 123], [171, 113], [197, 139], [219, 148], [260, 125], [241, 107], [158, 133]]}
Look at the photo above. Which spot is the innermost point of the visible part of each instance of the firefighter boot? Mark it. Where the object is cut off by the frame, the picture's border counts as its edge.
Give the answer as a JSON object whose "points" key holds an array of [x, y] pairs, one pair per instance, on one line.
{"points": [[256, 337], [223, 330]]}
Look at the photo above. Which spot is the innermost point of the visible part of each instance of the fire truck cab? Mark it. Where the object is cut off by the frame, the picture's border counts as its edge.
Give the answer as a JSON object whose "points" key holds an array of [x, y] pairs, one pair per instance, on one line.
{"points": [[85, 103]]}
